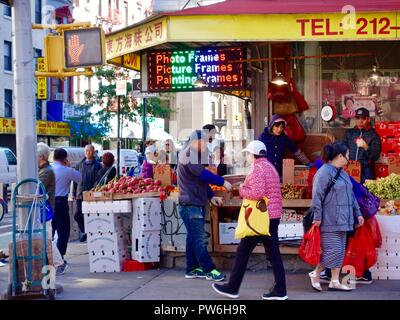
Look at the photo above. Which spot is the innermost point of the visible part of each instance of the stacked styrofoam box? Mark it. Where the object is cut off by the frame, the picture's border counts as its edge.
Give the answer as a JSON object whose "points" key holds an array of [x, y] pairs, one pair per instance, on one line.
{"points": [[105, 230], [290, 231], [227, 233], [388, 263], [146, 229]]}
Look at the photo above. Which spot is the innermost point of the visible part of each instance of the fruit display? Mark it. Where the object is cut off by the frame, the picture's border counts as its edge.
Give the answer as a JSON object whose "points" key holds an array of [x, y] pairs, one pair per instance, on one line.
{"points": [[391, 208], [290, 192], [217, 188], [385, 188], [132, 185]]}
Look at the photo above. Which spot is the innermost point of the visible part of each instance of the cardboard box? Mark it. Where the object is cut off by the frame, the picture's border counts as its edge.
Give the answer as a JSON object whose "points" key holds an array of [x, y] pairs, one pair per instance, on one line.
{"points": [[103, 222], [291, 216], [394, 165], [290, 231], [107, 241], [120, 206], [385, 273], [227, 233], [389, 226], [37, 265], [163, 172], [105, 262], [288, 171], [381, 170], [147, 214], [301, 175], [146, 245]]}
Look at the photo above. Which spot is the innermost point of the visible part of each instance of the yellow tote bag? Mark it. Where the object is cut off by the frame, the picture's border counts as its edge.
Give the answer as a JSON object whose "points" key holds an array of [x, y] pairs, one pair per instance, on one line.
{"points": [[253, 219]]}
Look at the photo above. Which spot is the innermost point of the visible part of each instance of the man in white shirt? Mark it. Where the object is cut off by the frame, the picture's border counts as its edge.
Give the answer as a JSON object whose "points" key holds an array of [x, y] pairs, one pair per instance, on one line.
{"points": [[61, 221]]}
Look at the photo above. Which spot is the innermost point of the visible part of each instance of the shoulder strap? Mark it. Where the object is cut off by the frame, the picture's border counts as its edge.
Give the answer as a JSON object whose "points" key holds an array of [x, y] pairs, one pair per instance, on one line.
{"points": [[331, 185]]}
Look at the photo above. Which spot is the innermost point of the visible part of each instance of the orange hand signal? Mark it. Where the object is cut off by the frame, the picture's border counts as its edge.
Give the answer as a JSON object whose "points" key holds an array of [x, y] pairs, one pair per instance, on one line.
{"points": [[75, 49]]}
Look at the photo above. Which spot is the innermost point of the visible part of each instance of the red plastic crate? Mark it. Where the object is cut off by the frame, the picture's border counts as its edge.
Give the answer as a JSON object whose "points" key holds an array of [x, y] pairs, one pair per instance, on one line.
{"points": [[381, 170], [133, 265], [390, 145], [388, 129]]}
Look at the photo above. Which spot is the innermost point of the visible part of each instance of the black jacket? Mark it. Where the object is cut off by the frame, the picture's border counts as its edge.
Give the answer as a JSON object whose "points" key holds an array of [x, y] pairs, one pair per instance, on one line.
{"points": [[88, 170]]}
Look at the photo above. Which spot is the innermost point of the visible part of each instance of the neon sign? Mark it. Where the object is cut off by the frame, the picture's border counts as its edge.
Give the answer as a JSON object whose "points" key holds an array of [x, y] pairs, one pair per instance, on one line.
{"points": [[177, 70]]}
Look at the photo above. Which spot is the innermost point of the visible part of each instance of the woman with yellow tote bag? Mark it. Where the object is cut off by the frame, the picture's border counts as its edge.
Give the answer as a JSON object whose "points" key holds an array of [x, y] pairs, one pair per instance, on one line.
{"points": [[258, 222]]}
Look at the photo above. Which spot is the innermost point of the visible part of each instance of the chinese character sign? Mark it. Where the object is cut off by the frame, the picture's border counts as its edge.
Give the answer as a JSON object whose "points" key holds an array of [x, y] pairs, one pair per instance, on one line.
{"points": [[170, 70], [84, 47], [41, 81]]}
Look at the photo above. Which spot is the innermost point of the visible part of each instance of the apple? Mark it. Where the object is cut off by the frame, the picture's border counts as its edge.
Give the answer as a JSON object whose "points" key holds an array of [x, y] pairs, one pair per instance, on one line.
{"points": [[157, 182]]}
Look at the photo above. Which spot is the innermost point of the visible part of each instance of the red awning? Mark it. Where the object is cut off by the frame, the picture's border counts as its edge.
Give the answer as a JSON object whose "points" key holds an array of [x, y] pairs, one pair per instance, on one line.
{"points": [[289, 6]]}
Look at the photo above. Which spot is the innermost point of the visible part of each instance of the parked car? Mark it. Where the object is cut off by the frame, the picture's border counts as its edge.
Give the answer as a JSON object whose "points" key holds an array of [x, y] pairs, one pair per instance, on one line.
{"points": [[8, 166]]}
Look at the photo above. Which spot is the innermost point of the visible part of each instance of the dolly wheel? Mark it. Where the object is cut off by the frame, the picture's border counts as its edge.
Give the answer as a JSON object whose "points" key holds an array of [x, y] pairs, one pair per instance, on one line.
{"points": [[52, 294]]}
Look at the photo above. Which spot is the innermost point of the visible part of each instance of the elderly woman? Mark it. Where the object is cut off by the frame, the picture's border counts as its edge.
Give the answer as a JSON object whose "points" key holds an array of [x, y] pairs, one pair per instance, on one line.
{"points": [[107, 172], [262, 180], [336, 215]]}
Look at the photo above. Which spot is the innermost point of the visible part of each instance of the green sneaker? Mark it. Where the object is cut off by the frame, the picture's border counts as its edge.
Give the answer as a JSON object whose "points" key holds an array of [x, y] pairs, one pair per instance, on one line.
{"points": [[195, 273], [215, 275]]}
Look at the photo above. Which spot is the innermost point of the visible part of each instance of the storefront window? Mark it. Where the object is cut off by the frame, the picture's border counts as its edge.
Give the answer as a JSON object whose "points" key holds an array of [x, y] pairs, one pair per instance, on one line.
{"points": [[348, 82]]}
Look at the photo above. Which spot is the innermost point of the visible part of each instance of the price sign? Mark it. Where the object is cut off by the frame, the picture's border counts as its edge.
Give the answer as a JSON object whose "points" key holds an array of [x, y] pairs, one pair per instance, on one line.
{"points": [[353, 169]]}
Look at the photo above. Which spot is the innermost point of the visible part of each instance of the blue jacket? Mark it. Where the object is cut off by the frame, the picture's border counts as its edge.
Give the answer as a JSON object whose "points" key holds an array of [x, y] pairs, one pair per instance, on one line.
{"points": [[340, 207], [276, 145], [194, 179]]}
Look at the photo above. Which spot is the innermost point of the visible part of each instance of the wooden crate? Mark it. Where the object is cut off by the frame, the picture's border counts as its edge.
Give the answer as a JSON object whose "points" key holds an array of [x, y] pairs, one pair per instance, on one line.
{"points": [[97, 196], [108, 196]]}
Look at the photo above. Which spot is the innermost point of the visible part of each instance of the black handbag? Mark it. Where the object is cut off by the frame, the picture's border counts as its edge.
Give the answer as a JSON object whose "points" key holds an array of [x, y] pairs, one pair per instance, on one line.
{"points": [[309, 215]]}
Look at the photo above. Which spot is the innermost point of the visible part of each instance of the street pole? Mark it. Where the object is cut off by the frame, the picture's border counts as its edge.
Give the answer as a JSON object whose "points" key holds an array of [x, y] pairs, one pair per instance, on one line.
{"points": [[144, 124], [25, 115], [118, 134]]}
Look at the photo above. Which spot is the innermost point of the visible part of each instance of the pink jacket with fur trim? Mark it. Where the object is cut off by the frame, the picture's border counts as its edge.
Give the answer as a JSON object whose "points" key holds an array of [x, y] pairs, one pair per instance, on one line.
{"points": [[263, 180]]}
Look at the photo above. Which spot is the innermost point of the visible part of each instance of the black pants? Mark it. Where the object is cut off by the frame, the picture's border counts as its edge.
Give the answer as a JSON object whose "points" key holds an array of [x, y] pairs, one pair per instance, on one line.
{"points": [[61, 224], [271, 245], [79, 216]]}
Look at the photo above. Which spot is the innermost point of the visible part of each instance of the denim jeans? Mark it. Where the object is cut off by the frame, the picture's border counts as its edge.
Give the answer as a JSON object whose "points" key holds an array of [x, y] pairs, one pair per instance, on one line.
{"points": [[196, 250]]}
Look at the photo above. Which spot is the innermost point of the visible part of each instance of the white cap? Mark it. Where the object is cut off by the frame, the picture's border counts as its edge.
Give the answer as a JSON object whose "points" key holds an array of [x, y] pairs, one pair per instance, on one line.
{"points": [[255, 147], [150, 149]]}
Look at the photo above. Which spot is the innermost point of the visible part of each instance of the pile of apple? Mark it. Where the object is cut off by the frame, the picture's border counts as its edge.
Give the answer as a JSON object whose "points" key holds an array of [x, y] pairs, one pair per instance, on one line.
{"points": [[133, 185]]}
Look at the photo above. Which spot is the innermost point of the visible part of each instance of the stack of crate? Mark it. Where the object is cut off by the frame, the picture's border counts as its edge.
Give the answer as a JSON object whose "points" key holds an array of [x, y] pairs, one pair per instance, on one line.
{"points": [[146, 229], [106, 235], [388, 264]]}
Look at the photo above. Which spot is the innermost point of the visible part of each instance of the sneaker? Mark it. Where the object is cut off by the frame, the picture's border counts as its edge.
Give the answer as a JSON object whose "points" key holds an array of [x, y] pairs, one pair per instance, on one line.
{"points": [[364, 280], [324, 277], [195, 273], [337, 286], [273, 295], [225, 291], [61, 269], [215, 275], [83, 238]]}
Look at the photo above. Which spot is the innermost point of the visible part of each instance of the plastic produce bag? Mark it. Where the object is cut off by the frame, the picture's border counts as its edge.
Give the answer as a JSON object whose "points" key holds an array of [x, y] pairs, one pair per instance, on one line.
{"points": [[360, 253], [310, 248], [374, 231]]}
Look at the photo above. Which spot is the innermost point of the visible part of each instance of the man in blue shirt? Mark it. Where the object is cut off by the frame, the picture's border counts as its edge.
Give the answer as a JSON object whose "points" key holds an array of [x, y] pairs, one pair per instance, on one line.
{"points": [[61, 222]]}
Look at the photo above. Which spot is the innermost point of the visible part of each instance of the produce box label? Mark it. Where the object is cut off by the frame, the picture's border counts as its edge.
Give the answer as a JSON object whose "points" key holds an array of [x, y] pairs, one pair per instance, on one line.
{"points": [[163, 173], [394, 165], [288, 171], [301, 176]]}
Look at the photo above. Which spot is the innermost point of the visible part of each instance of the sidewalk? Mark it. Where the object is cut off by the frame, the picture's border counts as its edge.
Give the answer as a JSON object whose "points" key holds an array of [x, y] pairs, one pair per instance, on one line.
{"points": [[169, 284]]}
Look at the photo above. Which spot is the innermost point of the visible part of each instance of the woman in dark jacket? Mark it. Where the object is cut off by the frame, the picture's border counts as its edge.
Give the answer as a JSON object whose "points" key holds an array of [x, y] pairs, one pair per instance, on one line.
{"points": [[107, 172], [277, 142]]}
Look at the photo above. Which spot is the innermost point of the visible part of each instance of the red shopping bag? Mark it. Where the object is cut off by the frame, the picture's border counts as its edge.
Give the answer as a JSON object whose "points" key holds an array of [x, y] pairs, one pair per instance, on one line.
{"points": [[298, 97], [374, 231], [360, 253], [310, 249], [294, 130]]}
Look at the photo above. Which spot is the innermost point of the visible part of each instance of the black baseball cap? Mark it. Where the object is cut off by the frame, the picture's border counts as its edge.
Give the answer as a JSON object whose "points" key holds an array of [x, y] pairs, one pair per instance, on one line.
{"points": [[362, 112]]}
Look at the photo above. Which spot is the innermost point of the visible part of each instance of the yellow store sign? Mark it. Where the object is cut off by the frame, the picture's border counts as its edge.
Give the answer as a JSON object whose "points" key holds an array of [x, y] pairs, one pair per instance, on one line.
{"points": [[136, 38], [43, 128], [41, 81]]}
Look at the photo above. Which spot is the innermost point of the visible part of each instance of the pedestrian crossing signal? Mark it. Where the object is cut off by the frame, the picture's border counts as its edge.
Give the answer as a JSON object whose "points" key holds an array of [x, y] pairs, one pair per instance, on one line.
{"points": [[84, 47]]}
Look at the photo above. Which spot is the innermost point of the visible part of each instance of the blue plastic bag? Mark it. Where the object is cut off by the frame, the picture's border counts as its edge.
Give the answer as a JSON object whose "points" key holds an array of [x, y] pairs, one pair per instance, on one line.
{"points": [[49, 212]]}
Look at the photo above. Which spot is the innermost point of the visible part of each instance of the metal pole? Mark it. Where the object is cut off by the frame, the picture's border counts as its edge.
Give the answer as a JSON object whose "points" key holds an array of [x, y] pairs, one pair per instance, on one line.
{"points": [[25, 111], [118, 135], [144, 123]]}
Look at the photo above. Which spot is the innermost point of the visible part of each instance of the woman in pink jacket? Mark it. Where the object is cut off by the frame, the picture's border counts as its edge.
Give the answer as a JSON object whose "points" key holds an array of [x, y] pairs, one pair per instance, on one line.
{"points": [[262, 180]]}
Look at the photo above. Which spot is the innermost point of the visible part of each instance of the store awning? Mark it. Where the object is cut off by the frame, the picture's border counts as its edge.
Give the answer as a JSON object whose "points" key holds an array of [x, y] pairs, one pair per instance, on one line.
{"points": [[238, 21]]}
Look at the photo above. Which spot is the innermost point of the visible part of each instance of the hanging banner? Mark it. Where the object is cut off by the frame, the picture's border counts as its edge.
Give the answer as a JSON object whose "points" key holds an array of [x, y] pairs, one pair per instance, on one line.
{"points": [[41, 81], [178, 70]]}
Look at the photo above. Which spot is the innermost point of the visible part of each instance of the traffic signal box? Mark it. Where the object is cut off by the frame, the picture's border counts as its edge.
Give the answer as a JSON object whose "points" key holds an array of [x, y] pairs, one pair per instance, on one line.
{"points": [[73, 47]]}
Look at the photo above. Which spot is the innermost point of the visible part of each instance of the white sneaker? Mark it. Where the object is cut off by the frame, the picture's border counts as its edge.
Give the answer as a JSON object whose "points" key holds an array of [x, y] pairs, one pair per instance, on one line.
{"points": [[315, 281]]}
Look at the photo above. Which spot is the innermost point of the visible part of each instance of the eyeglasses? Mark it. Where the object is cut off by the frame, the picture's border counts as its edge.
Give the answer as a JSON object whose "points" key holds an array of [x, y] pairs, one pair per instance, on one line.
{"points": [[279, 124]]}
